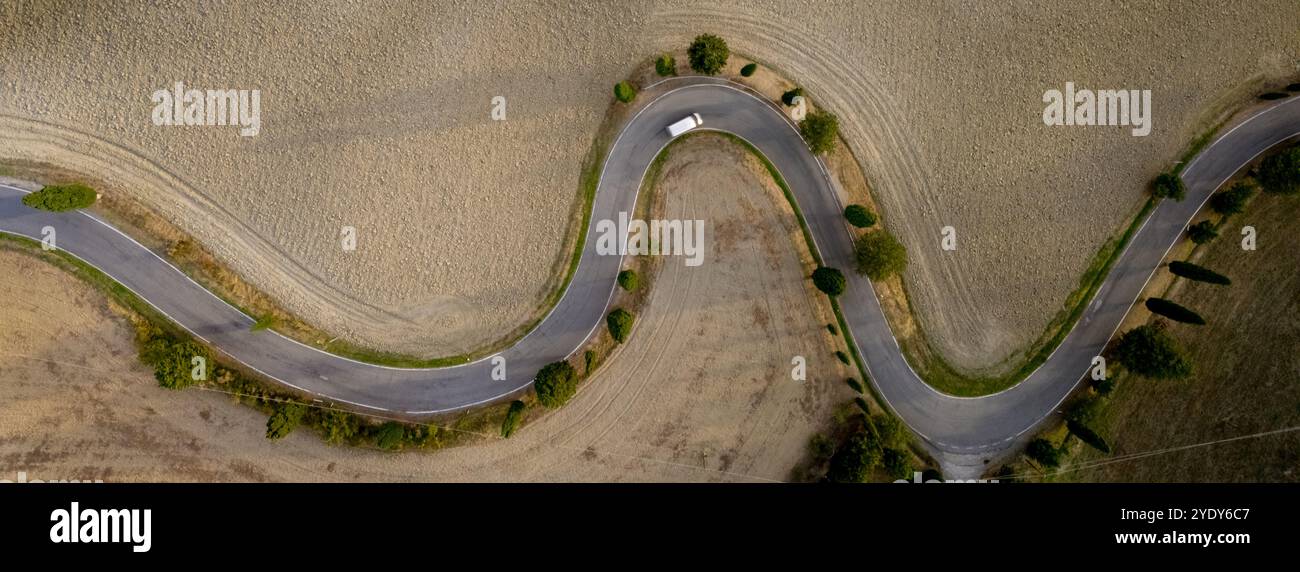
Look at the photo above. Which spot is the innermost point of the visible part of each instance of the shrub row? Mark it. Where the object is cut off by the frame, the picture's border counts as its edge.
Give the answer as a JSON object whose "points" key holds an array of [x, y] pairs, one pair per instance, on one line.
{"points": [[174, 365]]}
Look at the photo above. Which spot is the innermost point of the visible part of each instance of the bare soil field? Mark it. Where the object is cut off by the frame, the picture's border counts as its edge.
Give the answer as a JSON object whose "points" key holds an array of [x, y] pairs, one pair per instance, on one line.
{"points": [[1246, 378], [378, 118], [700, 391]]}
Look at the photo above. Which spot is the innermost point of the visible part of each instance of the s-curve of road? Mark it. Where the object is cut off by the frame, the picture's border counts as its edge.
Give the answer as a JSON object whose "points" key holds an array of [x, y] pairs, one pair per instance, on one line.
{"points": [[951, 424]]}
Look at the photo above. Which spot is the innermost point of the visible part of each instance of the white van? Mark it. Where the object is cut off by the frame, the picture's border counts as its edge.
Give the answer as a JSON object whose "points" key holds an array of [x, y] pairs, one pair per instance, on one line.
{"points": [[686, 124]]}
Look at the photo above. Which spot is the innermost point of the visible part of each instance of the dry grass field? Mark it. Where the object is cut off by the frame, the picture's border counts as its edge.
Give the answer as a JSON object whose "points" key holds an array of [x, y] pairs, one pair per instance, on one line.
{"points": [[379, 119], [1246, 378]]}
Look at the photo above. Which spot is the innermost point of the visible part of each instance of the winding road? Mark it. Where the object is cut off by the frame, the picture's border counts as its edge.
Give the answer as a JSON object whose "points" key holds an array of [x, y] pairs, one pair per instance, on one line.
{"points": [[950, 424]]}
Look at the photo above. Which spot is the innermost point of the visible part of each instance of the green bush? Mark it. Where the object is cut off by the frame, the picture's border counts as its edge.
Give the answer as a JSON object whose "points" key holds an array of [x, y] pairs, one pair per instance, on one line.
{"points": [[821, 447], [589, 361], [628, 280], [620, 324], [880, 255], [859, 216], [1272, 95], [173, 361], [832, 329], [749, 69], [1087, 435], [855, 459], [819, 129], [829, 280], [1168, 186], [339, 426], [891, 431], [1202, 232], [390, 436], [898, 464], [1174, 311], [1233, 200], [60, 198], [708, 54], [1042, 451], [514, 416], [1150, 351], [1085, 410], [788, 97], [284, 419], [1280, 174], [854, 384], [666, 65], [1198, 273], [843, 357], [556, 384], [624, 91], [1293, 87]]}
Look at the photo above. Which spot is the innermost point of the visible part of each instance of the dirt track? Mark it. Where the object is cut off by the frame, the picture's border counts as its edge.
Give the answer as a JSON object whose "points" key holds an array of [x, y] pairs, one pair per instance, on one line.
{"points": [[379, 119]]}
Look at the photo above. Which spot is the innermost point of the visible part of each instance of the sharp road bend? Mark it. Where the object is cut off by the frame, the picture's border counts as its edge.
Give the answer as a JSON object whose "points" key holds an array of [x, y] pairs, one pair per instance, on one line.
{"points": [[955, 426]]}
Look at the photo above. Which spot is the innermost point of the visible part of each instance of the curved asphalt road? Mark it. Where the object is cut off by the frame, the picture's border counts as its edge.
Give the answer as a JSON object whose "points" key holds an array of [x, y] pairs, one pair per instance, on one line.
{"points": [[953, 425]]}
